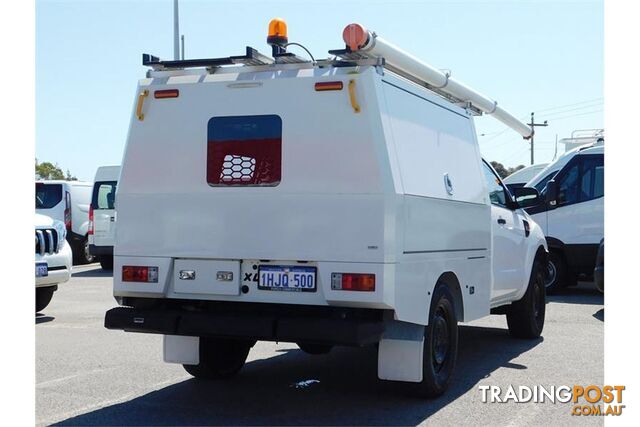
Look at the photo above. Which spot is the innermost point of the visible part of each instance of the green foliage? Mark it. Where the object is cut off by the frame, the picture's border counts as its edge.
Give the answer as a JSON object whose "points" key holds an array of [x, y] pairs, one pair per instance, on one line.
{"points": [[47, 171], [503, 171]]}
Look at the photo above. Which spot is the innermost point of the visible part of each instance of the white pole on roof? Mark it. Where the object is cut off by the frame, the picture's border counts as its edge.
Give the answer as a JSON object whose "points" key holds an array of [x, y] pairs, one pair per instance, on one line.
{"points": [[176, 32], [359, 39]]}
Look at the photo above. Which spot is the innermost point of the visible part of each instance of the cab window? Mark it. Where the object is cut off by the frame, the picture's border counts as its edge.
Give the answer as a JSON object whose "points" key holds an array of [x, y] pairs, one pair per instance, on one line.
{"points": [[568, 186], [582, 180], [497, 193], [592, 179], [542, 184]]}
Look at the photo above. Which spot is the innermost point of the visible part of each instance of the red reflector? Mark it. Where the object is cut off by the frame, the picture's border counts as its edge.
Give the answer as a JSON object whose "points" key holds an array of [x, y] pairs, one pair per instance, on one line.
{"points": [[134, 273], [353, 282], [168, 93], [328, 86]]}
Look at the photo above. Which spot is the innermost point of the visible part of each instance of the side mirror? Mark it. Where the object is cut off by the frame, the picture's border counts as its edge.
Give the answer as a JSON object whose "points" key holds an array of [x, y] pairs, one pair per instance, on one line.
{"points": [[526, 197], [552, 194]]}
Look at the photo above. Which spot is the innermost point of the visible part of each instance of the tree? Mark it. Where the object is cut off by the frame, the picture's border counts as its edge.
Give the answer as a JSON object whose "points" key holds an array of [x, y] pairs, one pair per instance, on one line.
{"points": [[503, 171], [47, 170]]}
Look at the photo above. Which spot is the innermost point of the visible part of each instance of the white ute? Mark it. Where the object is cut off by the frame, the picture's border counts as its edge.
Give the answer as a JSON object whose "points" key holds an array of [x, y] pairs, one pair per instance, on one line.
{"points": [[342, 202], [53, 258]]}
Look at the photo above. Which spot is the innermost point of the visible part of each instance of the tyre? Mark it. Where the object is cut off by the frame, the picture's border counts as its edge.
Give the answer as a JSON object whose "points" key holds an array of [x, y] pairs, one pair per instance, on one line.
{"points": [[525, 317], [219, 358], [314, 348], [81, 254], [556, 273], [43, 297], [440, 344], [106, 262]]}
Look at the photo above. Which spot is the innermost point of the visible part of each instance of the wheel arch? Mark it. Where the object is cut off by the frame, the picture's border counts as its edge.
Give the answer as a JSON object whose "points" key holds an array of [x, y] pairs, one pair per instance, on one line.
{"points": [[450, 280]]}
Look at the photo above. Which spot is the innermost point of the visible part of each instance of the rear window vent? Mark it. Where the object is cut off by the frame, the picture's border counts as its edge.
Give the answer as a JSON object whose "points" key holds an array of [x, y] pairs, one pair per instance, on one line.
{"points": [[244, 151]]}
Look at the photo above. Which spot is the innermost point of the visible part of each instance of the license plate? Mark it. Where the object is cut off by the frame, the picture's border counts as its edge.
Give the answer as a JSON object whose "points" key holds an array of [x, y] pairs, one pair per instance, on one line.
{"points": [[41, 269], [287, 278]]}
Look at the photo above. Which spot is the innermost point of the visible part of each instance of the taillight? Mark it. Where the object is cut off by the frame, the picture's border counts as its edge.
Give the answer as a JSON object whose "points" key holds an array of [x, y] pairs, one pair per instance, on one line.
{"points": [[67, 210], [353, 282], [90, 219], [135, 273]]}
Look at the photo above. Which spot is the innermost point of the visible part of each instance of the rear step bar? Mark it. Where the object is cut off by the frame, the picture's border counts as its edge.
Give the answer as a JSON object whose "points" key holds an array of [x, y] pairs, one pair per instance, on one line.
{"points": [[266, 327]]}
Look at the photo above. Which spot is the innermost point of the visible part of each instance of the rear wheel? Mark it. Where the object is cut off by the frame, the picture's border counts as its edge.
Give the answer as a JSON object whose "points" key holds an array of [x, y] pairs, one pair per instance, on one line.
{"points": [[43, 297], [106, 262], [440, 344], [220, 358], [556, 273], [525, 317], [314, 348]]}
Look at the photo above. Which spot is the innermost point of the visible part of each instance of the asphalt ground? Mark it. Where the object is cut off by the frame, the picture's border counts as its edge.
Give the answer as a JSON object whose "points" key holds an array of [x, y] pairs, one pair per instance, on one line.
{"points": [[87, 375]]}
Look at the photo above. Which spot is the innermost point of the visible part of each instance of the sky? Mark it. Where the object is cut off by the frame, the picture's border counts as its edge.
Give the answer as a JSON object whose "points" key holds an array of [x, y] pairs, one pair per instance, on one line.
{"points": [[531, 56]]}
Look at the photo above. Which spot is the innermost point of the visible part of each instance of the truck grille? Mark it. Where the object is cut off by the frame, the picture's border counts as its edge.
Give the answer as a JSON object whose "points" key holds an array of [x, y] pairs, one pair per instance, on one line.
{"points": [[46, 241]]}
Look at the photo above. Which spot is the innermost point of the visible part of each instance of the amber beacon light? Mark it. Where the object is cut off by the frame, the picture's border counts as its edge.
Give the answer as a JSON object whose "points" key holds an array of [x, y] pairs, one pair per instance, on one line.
{"points": [[277, 32]]}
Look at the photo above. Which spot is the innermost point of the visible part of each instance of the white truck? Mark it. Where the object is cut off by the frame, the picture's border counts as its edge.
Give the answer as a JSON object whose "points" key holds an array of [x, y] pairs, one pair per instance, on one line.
{"points": [[53, 258], [337, 202], [102, 215], [68, 201]]}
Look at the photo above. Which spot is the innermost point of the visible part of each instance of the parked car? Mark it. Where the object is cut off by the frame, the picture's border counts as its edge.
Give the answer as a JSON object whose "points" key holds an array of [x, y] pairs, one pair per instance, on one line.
{"points": [[53, 258], [336, 203], [598, 272], [102, 215], [573, 217], [68, 201], [520, 177]]}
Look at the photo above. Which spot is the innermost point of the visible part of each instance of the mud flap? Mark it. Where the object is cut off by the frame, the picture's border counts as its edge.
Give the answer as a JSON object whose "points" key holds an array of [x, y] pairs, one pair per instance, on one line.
{"points": [[400, 352], [181, 349]]}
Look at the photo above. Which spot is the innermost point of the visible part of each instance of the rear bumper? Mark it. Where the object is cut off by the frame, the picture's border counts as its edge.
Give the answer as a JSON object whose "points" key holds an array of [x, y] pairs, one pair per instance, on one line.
{"points": [[101, 250], [282, 323]]}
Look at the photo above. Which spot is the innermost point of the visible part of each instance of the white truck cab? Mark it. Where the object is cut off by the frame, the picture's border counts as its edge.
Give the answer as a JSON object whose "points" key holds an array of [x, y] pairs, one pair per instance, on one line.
{"points": [[53, 258], [328, 203], [572, 217], [102, 215]]}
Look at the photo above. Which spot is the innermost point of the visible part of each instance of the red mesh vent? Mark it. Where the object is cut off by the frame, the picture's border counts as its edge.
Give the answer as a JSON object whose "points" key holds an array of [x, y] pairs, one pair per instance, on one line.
{"points": [[254, 162]]}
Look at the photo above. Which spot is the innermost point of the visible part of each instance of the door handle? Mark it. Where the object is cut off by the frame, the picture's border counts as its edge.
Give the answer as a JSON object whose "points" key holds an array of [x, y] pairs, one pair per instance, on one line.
{"points": [[502, 221]]}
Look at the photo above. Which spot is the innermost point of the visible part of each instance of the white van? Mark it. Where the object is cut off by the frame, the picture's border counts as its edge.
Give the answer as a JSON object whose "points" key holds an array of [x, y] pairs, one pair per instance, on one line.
{"points": [[520, 177], [68, 201], [573, 217], [328, 203], [102, 215]]}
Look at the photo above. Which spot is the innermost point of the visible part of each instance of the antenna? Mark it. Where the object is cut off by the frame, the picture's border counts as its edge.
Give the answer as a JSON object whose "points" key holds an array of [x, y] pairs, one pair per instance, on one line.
{"points": [[182, 40], [176, 32]]}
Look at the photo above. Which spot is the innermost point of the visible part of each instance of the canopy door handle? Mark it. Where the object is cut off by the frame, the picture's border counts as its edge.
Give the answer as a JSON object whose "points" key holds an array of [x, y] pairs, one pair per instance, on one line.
{"points": [[141, 98]]}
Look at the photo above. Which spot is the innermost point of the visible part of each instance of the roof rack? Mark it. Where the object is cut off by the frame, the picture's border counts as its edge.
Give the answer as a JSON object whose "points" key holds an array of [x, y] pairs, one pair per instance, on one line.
{"points": [[251, 57]]}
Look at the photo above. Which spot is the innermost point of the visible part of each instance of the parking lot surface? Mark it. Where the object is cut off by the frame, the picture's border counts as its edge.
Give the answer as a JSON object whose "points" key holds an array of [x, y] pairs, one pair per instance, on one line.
{"points": [[87, 375]]}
